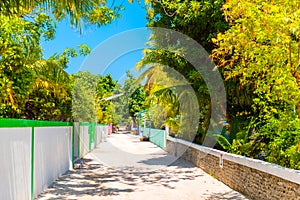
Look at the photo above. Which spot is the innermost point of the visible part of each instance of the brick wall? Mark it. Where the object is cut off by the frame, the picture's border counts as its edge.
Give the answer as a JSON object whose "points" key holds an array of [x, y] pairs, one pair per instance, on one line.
{"points": [[254, 178]]}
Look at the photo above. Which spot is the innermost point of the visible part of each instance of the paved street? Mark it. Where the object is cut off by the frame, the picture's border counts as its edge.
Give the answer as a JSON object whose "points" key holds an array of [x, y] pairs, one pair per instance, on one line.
{"points": [[125, 168]]}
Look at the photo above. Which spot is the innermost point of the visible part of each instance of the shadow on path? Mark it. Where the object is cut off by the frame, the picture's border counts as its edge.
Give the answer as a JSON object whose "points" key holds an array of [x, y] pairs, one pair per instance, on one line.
{"points": [[98, 180], [231, 195], [136, 170]]}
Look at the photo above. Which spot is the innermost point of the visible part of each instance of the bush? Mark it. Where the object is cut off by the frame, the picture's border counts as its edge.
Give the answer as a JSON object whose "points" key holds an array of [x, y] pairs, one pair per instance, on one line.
{"points": [[277, 141], [284, 145]]}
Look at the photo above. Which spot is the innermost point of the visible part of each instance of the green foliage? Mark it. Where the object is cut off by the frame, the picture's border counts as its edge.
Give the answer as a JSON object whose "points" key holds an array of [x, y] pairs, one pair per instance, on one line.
{"points": [[283, 146], [19, 51], [51, 91], [83, 102], [258, 56], [64, 58], [89, 93], [259, 59], [277, 141], [200, 20], [136, 101], [33, 87], [256, 45], [105, 108], [161, 99], [131, 102], [223, 141], [79, 13]]}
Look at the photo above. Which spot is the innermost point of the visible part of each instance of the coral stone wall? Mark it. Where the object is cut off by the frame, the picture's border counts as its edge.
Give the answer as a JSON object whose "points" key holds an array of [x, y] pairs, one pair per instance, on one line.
{"points": [[254, 178]]}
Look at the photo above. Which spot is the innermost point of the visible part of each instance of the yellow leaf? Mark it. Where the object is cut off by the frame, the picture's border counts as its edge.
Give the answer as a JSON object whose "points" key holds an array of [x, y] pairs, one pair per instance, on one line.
{"points": [[150, 13]]}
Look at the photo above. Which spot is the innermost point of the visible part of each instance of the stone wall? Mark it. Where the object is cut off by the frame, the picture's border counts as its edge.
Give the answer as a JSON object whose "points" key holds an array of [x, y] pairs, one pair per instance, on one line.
{"points": [[254, 178]]}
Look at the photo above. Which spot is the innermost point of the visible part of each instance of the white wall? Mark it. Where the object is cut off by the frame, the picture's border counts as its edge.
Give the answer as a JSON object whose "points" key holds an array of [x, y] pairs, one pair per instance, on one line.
{"points": [[101, 134], [52, 155], [15, 158], [98, 134], [269, 168], [84, 140], [76, 132]]}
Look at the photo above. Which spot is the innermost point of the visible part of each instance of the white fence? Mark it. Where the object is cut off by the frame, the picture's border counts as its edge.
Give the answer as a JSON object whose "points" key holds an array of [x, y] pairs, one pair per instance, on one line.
{"points": [[83, 140], [101, 134], [15, 158], [52, 155], [33, 154], [90, 135]]}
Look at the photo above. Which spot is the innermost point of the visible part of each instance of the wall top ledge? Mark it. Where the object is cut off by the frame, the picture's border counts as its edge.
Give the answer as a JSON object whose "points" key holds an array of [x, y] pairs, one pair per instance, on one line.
{"points": [[276, 170]]}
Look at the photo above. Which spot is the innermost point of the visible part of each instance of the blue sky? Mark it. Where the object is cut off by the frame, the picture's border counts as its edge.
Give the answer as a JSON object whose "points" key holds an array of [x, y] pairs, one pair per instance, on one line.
{"points": [[132, 17]]}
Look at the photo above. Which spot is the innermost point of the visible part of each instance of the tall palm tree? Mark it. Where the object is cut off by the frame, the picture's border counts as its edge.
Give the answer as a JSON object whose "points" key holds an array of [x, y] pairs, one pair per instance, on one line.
{"points": [[160, 86]]}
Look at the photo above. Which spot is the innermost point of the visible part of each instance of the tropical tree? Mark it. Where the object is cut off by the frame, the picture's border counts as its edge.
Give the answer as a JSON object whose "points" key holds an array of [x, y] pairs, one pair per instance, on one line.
{"points": [[105, 109], [89, 97], [172, 92], [200, 20], [19, 51], [259, 58], [260, 55], [132, 100], [33, 87], [51, 93], [78, 13], [84, 95]]}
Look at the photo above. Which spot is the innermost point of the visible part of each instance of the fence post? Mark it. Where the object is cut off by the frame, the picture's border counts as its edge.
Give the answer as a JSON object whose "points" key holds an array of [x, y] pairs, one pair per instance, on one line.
{"points": [[73, 143], [78, 142], [32, 164], [90, 136], [91, 131]]}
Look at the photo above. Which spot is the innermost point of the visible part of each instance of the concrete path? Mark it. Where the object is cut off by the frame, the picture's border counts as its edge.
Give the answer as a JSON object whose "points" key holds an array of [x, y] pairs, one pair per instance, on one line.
{"points": [[125, 168]]}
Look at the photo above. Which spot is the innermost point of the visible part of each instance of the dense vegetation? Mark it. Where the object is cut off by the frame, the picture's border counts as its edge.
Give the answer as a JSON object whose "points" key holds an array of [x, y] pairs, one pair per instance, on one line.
{"points": [[255, 45], [31, 86]]}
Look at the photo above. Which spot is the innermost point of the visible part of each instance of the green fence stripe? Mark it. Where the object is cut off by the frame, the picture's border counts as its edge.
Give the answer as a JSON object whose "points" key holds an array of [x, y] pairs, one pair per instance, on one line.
{"points": [[14, 123], [78, 141], [32, 164], [90, 136], [84, 123], [73, 144], [93, 127]]}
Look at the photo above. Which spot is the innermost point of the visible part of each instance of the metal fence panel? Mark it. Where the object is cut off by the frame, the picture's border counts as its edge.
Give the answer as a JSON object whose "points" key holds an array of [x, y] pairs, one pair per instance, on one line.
{"points": [[158, 137], [52, 155], [84, 140], [15, 159]]}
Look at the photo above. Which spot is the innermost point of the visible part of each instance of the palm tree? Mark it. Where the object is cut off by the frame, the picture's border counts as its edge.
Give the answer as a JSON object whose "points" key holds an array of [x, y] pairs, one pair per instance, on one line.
{"points": [[78, 12], [160, 87], [50, 91]]}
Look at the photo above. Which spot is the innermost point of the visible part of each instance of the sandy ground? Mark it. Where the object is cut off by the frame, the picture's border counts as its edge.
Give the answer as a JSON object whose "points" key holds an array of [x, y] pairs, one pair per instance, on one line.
{"points": [[125, 168]]}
